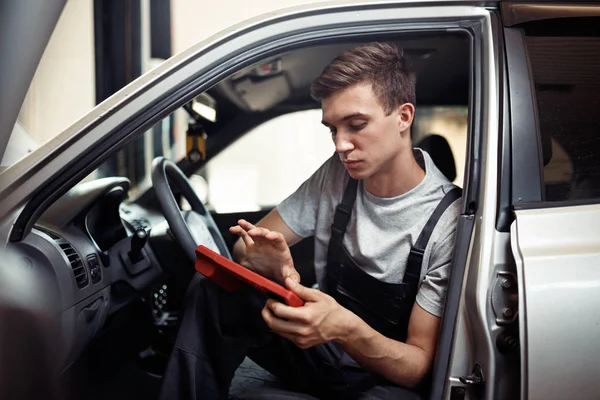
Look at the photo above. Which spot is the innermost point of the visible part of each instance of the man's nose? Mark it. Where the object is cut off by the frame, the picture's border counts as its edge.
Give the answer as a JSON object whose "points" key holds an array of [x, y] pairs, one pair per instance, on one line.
{"points": [[342, 143]]}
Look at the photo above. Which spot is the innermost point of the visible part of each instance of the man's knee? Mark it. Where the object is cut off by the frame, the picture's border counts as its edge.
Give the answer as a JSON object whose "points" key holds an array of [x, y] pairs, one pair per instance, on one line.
{"points": [[228, 312]]}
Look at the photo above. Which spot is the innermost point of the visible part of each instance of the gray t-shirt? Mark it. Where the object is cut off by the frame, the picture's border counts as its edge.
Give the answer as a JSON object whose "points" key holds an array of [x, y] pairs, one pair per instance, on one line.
{"points": [[381, 231]]}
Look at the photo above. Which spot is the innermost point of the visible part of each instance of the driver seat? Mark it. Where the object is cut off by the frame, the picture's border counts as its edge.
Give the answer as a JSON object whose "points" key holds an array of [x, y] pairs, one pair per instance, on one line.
{"points": [[440, 152]]}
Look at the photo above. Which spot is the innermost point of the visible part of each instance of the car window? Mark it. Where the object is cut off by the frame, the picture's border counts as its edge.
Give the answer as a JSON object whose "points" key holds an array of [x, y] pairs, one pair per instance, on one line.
{"points": [[268, 163], [565, 63]]}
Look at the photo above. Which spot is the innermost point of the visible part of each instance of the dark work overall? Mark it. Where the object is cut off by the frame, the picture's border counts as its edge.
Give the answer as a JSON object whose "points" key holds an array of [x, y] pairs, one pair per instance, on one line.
{"points": [[386, 307], [219, 329]]}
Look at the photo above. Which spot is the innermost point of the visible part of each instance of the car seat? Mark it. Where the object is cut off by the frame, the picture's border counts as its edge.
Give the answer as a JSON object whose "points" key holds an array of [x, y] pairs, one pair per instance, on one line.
{"points": [[438, 148]]}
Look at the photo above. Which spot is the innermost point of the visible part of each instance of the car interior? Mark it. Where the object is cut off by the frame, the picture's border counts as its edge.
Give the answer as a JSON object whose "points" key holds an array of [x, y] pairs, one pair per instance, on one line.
{"points": [[117, 264]]}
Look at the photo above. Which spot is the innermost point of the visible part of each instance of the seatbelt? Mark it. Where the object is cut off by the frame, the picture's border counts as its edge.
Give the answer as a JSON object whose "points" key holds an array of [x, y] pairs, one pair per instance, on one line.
{"points": [[343, 211], [415, 257]]}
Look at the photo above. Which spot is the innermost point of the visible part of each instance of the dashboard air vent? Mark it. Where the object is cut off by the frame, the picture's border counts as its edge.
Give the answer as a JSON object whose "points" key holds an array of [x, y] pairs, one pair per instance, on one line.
{"points": [[79, 271]]}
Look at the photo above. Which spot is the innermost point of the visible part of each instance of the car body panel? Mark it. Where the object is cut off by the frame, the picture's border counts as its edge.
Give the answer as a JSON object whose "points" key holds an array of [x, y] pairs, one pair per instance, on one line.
{"points": [[32, 22], [514, 13], [557, 252], [472, 326]]}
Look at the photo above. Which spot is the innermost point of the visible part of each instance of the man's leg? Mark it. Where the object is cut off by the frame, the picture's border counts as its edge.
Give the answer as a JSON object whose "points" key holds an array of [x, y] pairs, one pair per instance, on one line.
{"points": [[276, 394], [216, 331], [386, 392], [323, 371]]}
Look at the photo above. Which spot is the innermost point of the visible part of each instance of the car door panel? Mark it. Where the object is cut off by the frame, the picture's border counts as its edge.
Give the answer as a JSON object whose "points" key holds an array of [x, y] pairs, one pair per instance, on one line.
{"points": [[557, 253]]}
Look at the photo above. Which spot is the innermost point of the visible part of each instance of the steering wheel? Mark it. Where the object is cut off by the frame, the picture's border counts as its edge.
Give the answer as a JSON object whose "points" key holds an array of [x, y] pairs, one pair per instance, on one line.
{"points": [[191, 228]]}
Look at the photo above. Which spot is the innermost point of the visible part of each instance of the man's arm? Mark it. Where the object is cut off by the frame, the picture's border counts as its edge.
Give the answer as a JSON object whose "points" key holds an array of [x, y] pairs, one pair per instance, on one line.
{"points": [[322, 319], [405, 364]]}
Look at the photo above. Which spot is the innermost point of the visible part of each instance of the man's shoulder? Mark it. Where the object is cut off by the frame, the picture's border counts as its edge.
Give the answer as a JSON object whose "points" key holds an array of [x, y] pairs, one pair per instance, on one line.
{"points": [[448, 220], [442, 186]]}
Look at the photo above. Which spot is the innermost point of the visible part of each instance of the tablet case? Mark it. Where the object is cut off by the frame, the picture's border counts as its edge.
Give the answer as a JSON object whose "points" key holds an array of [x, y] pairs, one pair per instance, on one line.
{"points": [[230, 276]]}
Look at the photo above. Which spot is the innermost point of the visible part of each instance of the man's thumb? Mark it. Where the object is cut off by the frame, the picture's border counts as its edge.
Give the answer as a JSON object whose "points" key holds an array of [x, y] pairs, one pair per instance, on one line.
{"points": [[290, 272], [302, 291]]}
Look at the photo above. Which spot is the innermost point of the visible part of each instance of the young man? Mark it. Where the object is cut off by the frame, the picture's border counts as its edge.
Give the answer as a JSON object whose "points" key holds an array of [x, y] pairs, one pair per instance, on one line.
{"points": [[372, 327]]}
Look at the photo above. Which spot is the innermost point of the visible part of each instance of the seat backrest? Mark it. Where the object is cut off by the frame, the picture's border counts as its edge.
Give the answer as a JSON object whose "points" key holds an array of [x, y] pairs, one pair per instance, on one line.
{"points": [[438, 148]]}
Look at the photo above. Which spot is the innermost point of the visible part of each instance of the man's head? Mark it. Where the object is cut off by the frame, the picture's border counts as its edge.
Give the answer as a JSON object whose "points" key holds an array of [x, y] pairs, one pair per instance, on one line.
{"points": [[381, 65], [368, 95]]}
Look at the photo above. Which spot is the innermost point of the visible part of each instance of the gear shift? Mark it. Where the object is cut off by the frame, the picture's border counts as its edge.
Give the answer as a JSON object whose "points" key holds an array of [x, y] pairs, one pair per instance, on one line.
{"points": [[138, 241]]}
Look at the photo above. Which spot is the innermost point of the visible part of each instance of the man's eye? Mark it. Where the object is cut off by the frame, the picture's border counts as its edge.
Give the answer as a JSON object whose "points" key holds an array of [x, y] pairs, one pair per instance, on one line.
{"points": [[358, 127], [333, 131]]}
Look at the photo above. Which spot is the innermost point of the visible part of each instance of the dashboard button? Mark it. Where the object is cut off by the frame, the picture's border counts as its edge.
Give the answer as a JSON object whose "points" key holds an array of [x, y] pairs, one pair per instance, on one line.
{"points": [[94, 265]]}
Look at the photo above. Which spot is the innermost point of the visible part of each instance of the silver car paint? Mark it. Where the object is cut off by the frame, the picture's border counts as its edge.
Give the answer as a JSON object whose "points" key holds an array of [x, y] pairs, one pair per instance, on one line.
{"points": [[474, 312], [557, 252]]}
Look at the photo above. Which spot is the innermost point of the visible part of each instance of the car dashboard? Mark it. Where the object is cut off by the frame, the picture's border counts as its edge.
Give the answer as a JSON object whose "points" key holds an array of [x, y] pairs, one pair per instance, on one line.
{"points": [[88, 256]]}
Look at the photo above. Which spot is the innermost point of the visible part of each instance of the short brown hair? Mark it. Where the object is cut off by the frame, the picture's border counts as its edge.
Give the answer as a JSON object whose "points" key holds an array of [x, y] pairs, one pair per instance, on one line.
{"points": [[380, 64]]}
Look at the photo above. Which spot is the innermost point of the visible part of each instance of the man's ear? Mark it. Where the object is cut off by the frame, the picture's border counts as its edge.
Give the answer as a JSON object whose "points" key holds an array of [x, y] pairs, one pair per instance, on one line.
{"points": [[406, 114]]}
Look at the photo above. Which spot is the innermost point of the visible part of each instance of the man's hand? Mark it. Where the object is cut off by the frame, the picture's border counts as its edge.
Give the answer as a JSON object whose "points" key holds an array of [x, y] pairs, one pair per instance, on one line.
{"points": [[266, 253], [321, 319]]}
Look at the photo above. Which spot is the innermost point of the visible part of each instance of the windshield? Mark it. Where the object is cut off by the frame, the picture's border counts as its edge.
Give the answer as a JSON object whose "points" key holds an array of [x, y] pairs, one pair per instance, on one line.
{"points": [[167, 138]]}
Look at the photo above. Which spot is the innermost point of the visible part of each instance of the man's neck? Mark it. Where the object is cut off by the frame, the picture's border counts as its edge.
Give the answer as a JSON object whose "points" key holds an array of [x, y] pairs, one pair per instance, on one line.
{"points": [[399, 177]]}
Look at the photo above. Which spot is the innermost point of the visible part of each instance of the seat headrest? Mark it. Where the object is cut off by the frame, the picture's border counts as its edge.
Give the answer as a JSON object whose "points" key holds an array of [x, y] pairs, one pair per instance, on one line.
{"points": [[438, 148]]}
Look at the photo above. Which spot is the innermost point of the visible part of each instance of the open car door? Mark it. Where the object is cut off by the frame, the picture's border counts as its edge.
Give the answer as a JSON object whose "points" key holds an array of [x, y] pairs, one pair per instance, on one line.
{"points": [[557, 252], [555, 237]]}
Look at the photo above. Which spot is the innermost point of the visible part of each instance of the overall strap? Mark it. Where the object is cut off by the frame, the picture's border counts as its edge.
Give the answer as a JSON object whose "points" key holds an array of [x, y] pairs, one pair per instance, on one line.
{"points": [[415, 258], [343, 211]]}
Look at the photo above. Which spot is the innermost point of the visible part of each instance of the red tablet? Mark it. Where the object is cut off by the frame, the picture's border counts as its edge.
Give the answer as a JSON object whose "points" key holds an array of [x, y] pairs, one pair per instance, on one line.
{"points": [[231, 276]]}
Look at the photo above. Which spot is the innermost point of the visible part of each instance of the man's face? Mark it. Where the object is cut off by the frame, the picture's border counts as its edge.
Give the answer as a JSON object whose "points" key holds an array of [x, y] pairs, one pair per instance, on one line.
{"points": [[366, 139]]}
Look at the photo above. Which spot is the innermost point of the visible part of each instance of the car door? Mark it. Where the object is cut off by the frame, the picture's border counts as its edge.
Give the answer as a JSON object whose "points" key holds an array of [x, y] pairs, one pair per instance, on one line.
{"points": [[555, 237], [29, 188]]}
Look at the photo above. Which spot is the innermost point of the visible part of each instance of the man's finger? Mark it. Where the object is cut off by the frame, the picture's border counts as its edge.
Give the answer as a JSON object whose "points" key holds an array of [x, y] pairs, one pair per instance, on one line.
{"points": [[237, 230], [260, 235], [258, 232], [286, 312], [279, 325], [290, 272], [303, 292], [277, 238], [245, 224]]}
